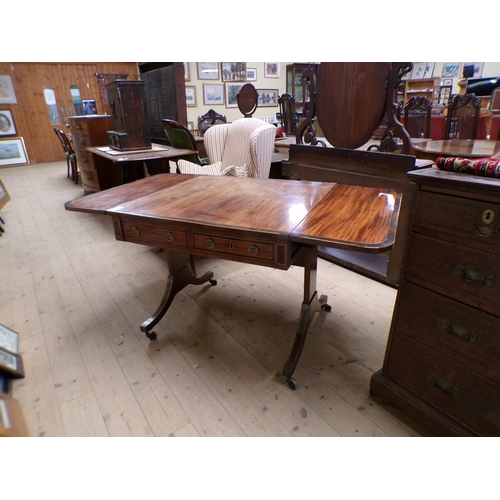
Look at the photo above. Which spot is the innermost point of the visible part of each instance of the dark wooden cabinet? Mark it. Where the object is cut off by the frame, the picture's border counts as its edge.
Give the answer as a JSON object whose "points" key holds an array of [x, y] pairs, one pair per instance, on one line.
{"points": [[295, 86], [441, 362], [87, 131], [130, 125]]}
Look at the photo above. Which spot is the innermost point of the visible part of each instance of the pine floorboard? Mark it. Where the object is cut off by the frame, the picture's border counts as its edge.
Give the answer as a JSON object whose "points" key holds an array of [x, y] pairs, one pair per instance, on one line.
{"points": [[77, 298]]}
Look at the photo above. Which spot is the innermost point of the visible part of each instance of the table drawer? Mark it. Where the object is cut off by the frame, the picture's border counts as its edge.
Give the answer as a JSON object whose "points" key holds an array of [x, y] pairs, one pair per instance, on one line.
{"points": [[467, 275], [80, 127], [89, 179], [81, 142], [468, 398], [85, 160], [234, 246], [468, 336], [163, 237], [475, 222]]}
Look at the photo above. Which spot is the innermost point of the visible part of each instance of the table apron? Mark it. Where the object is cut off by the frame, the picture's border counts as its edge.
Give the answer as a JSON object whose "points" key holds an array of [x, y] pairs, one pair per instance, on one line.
{"points": [[249, 247]]}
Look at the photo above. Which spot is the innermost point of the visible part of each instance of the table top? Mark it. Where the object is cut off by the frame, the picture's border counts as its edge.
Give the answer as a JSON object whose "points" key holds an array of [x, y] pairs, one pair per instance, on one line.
{"points": [[466, 148], [157, 151], [319, 213]]}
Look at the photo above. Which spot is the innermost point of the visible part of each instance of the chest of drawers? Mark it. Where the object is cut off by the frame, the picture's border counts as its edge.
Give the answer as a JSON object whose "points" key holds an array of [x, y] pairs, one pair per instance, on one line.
{"points": [[88, 131], [442, 358]]}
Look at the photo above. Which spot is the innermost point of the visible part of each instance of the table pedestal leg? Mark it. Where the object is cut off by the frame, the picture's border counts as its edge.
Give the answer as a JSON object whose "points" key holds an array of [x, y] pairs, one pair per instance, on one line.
{"points": [[181, 273], [310, 306]]}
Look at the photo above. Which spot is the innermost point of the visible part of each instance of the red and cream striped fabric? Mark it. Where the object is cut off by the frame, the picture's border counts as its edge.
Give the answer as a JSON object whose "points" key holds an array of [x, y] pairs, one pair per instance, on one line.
{"points": [[243, 148]]}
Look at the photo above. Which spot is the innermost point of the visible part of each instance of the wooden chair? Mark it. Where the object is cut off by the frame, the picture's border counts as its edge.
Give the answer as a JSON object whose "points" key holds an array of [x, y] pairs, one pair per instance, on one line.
{"points": [[287, 114], [417, 117], [462, 120], [208, 119], [72, 168], [181, 137]]}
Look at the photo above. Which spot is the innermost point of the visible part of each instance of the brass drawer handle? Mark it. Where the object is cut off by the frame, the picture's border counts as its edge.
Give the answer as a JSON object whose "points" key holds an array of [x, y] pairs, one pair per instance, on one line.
{"points": [[170, 237], [444, 386], [210, 243], [136, 232], [253, 250], [153, 232], [473, 276], [458, 331], [484, 231]]}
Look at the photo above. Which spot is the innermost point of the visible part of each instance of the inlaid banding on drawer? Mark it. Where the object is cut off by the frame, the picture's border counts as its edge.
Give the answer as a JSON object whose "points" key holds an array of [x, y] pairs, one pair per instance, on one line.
{"points": [[160, 236], [233, 246]]}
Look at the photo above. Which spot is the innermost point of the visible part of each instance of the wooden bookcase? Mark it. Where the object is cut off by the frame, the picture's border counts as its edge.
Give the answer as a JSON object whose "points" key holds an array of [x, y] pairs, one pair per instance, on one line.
{"points": [[421, 87]]}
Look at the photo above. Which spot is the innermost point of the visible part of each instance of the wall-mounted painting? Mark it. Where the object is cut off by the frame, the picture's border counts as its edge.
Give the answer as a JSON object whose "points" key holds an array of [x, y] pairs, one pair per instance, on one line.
{"points": [[190, 95], [268, 97], [251, 74], [451, 70], [7, 93], [13, 152], [475, 68], [213, 94], [208, 70], [232, 90], [272, 69], [234, 71], [7, 126]]}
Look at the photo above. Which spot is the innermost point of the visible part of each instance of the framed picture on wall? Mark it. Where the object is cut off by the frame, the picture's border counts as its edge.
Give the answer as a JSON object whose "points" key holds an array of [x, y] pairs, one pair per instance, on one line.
{"points": [[187, 76], [13, 152], [7, 126], [447, 81], [251, 74], [476, 69], [208, 70], [418, 71], [234, 71], [450, 70], [213, 94], [190, 95], [232, 90], [272, 69], [7, 93], [268, 97], [429, 69]]}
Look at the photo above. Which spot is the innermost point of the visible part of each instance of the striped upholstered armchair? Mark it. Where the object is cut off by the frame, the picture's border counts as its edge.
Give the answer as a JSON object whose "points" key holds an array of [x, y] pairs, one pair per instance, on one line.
{"points": [[243, 148]]}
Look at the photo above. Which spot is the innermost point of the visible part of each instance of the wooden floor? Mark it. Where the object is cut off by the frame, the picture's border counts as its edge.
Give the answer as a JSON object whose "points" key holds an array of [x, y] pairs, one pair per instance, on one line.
{"points": [[77, 297]]}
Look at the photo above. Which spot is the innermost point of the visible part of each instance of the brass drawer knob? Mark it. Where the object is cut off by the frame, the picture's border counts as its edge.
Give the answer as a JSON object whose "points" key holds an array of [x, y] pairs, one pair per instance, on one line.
{"points": [[210, 243], [136, 232], [170, 237], [253, 250]]}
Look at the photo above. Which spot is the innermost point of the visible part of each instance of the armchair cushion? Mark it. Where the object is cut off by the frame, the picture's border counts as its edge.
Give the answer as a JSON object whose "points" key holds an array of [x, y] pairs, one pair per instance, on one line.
{"points": [[216, 168]]}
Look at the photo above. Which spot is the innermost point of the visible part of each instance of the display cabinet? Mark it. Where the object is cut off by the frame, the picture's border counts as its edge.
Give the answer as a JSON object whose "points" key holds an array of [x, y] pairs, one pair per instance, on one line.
{"points": [[295, 86]]}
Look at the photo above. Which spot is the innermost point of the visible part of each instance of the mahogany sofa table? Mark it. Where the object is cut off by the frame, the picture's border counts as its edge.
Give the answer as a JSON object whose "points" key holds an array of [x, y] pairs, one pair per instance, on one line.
{"points": [[464, 148], [115, 167], [269, 222]]}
